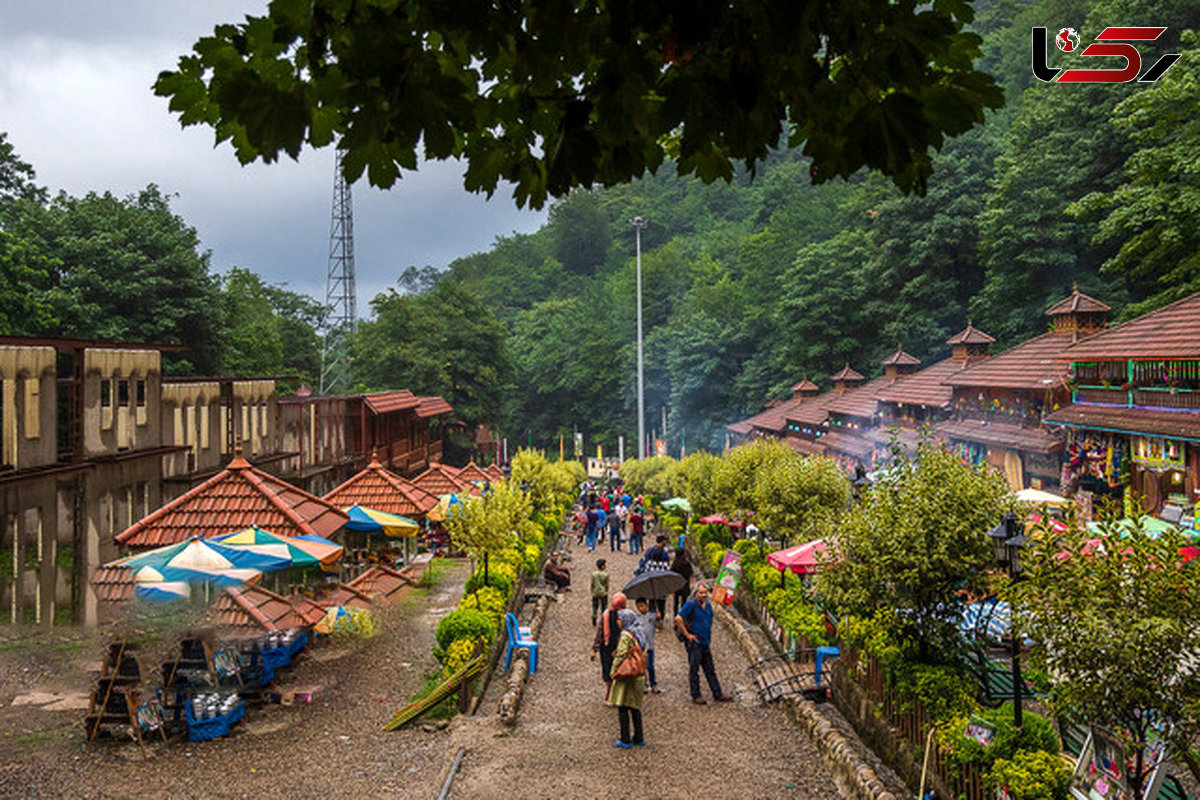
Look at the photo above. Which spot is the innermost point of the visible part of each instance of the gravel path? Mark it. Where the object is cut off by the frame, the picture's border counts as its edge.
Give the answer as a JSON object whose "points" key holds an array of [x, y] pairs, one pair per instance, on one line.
{"points": [[562, 745]]}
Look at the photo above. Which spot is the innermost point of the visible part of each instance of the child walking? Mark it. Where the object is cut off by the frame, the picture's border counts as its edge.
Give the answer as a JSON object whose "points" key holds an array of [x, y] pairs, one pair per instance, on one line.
{"points": [[599, 589], [649, 622]]}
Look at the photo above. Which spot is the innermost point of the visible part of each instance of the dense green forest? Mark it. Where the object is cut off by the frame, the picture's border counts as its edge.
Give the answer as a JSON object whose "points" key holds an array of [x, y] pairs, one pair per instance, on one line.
{"points": [[748, 285]]}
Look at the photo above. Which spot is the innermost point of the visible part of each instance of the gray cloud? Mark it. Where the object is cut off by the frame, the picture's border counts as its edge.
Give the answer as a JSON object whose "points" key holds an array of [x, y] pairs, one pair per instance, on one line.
{"points": [[75, 99]]}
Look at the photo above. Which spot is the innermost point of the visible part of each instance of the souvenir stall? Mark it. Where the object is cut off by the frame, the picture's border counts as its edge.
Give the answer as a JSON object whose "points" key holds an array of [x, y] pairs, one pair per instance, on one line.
{"points": [[1102, 771], [1096, 463]]}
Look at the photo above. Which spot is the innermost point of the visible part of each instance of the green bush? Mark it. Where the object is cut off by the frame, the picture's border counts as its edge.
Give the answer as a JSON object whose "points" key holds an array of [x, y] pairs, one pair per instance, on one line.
{"points": [[945, 689], [796, 612], [487, 600], [1033, 775], [761, 579], [465, 623], [714, 553], [714, 533], [1036, 733], [501, 576]]}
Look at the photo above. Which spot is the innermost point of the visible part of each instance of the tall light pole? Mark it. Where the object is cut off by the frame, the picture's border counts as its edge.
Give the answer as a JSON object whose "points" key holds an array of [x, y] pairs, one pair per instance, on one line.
{"points": [[638, 223]]}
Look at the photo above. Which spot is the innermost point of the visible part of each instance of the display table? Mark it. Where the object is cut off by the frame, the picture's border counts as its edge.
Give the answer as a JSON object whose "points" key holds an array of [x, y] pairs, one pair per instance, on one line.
{"points": [[201, 730]]}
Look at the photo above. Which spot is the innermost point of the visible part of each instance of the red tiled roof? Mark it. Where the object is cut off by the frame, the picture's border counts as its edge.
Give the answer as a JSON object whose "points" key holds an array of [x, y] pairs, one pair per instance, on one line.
{"points": [[440, 479], [256, 607], [999, 434], [816, 409], [900, 359], [848, 444], [494, 472], [472, 472], [308, 610], [1032, 364], [774, 419], [805, 385], [1077, 303], [804, 447], [235, 498], [382, 490], [863, 401], [382, 583], [344, 595], [385, 402], [1179, 424], [432, 406], [847, 374], [113, 584], [1170, 332], [926, 387], [742, 428], [970, 335]]}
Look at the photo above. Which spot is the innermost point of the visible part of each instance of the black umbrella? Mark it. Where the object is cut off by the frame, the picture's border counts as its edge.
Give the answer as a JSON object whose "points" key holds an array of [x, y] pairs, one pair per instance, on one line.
{"points": [[654, 583]]}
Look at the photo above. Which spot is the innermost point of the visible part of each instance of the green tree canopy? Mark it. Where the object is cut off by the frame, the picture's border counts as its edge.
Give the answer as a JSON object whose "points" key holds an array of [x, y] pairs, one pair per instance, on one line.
{"points": [[1118, 628], [550, 97], [917, 539]]}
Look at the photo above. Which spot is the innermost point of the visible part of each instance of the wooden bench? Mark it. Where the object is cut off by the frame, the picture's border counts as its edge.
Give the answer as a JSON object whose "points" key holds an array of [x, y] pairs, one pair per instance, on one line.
{"points": [[778, 676]]}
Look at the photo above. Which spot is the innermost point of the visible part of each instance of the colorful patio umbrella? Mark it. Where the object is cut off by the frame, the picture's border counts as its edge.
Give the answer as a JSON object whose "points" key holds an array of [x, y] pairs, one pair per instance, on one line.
{"points": [[678, 504], [1039, 498], [157, 577], [300, 552], [205, 559], [371, 520], [443, 509], [162, 591], [713, 519], [801, 559], [1152, 525]]}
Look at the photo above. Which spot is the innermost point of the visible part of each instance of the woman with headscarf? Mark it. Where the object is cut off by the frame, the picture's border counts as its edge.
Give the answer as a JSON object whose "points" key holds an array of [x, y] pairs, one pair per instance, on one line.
{"points": [[608, 632], [626, 693]]}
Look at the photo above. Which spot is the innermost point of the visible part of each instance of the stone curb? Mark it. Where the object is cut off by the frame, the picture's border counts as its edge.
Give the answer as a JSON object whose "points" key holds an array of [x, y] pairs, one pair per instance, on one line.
{"points": [[510, 703], [853, 774]]}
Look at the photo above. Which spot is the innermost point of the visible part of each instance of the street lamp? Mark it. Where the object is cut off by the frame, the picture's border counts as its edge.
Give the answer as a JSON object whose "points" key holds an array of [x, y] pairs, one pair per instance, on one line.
{"points": [[1007, 542], [638, 224]]}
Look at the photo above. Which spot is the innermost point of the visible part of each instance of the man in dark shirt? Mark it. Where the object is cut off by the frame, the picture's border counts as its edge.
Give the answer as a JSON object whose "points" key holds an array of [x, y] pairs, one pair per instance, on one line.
{"points": [[694, 621]]}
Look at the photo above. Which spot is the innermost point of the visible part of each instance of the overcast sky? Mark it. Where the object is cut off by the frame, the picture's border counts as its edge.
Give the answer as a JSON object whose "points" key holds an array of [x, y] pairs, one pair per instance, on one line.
{"points": [[75, 99]]}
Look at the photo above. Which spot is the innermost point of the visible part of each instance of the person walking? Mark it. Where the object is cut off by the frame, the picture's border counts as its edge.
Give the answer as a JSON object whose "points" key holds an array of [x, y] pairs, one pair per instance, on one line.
{"points": [[590, 527], [657, 558], [625, 692], [599, 589], [649, 622], [682, 566], [607, 634], [694, 621], [637, 528], [614, 532], [601, 522]]}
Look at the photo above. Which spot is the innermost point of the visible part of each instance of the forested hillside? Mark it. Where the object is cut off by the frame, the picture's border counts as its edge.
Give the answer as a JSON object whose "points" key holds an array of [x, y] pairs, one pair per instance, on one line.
{"points": [[752, 284]]}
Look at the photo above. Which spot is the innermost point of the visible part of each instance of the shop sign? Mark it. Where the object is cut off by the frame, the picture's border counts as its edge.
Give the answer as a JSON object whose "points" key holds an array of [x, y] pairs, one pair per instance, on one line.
{"points": [[728, 577], [1150, 451]]}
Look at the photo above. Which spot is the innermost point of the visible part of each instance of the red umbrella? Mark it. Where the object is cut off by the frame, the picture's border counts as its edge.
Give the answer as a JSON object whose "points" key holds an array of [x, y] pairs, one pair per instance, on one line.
{"points": [[713, 519], [801, 559]]}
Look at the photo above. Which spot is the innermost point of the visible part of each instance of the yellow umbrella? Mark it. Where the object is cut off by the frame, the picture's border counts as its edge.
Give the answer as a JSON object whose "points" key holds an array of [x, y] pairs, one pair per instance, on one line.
{"points": [[374, 521]]}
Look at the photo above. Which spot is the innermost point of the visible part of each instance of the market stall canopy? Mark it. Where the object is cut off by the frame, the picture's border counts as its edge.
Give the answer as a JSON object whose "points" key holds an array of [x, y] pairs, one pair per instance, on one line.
{"points": [[1041, 498], [379, 488], [678, 504], [229, 576], [443, 509], [801, 559], [162, 591], [299, 552], [1152, 525], [713, 519], [199, 558], [372, 520]]}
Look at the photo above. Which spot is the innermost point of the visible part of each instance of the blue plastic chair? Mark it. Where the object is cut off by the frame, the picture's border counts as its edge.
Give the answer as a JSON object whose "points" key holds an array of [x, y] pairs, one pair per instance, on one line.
{"points": [[822, 654], [518, 637]]}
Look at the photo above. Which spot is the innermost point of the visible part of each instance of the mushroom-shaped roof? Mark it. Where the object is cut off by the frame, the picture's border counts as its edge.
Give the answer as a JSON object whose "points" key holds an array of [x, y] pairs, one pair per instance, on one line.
{"points": [[805, 385], [1077, 303], [970, 335], [847, 374], [900, 359]]}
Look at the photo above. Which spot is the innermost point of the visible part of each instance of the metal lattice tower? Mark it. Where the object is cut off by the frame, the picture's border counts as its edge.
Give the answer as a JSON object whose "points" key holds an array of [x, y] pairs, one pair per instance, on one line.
{"points": [[341, 317]]}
